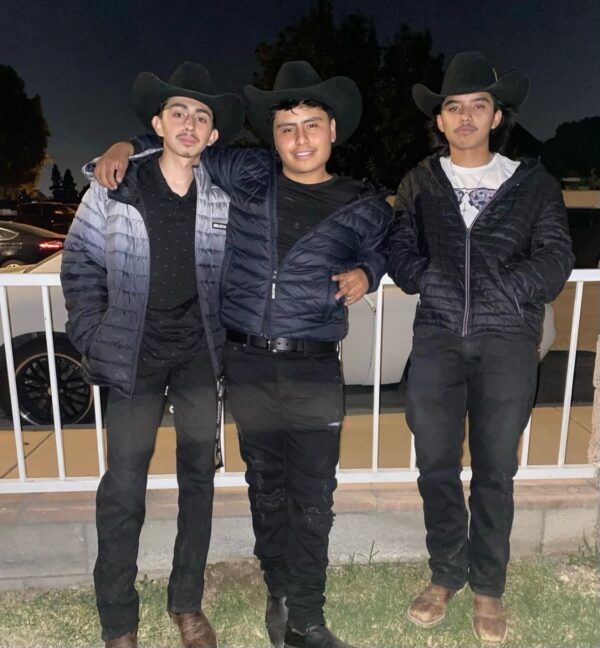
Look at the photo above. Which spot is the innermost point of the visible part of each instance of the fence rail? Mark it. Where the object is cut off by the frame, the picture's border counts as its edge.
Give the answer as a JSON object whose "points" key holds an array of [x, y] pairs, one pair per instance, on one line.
{"points": [[23, 483]]}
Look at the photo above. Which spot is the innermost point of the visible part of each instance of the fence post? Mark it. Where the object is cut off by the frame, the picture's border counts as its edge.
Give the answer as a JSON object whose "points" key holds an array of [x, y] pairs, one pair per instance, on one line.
{"points": [[594, 449]]}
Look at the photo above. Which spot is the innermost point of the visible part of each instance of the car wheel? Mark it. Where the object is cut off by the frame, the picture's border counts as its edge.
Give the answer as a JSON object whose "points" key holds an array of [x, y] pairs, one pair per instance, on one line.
{"points": [[33, 384], [13, 263]]}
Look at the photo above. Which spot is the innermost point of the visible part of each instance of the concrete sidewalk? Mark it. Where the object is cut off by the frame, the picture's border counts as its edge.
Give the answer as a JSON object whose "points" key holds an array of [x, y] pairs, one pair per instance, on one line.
{"points": [[49, 540]]}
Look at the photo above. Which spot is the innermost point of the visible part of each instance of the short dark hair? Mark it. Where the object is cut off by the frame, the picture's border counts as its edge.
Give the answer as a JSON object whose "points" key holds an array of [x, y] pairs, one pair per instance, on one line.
{"points": [[498, 136], [163, 105], [289, 104]]}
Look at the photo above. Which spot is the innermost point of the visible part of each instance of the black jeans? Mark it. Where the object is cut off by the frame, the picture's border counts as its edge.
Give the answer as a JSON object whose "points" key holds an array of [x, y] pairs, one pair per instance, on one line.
{"points": [[492, 379], [131, 426], [289, 410]]}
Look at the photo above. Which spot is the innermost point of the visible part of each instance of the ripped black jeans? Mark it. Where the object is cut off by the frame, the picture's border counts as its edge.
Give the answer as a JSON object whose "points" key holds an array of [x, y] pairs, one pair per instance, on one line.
{"points": [[289, 409]]}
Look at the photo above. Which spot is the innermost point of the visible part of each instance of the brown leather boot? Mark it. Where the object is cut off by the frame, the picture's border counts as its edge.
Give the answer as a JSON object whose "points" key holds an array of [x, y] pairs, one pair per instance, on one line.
{"points": [[429, 608], [128, 640], [489, 619], [195, 630]]}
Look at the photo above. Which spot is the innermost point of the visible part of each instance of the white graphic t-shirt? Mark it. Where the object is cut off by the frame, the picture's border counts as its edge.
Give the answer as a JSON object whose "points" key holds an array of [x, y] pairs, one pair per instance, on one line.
{"points": [[476, 186]]}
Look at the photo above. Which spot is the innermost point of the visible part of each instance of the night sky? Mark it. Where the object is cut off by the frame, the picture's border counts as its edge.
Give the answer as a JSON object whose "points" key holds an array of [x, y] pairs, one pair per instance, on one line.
{"points": [[81, 56]]}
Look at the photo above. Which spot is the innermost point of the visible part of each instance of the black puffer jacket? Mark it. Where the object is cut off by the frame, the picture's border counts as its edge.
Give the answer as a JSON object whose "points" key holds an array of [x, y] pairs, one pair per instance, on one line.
{"points": [[290, 297], [495, 276]]}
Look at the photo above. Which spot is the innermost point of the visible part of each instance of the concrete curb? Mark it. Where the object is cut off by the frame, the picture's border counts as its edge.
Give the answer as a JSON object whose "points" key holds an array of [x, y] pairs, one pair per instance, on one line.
{"points": [[49, 540]]}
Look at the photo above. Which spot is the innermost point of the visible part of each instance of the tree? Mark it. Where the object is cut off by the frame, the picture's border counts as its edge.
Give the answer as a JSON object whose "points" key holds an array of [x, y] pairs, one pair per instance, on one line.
{"points": [[69, 189], [391, 137], [402, 134], [23, 134], [56, 186], [574, 149]]}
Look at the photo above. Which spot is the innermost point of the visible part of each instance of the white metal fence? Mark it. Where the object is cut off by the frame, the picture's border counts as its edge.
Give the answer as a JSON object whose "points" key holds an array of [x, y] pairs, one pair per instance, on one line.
{"points": [[11, 282]]}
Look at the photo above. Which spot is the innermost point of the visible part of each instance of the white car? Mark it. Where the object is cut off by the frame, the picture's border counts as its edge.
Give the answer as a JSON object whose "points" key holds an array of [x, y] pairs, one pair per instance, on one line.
{"points": [[31, 363]]}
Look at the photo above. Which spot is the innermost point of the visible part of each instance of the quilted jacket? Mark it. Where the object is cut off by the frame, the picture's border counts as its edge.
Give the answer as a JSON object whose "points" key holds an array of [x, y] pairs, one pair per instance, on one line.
{"points": [[493, 277], [294, 296], [291, 297], [105, 276]]}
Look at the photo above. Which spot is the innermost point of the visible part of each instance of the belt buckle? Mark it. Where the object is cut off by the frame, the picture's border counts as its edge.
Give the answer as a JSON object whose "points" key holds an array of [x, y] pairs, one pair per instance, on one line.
{"points": [[279, 345]]}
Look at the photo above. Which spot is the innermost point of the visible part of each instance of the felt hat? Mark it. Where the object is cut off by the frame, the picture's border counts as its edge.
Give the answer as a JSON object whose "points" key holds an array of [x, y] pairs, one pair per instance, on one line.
{"points": [[190, 80], [470, 72], [298, 80]]}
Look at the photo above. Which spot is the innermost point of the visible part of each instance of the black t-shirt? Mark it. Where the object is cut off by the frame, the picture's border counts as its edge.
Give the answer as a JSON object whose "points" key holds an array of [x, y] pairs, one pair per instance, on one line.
{"points": [[171, 224], [173, 327], [300, 207]]}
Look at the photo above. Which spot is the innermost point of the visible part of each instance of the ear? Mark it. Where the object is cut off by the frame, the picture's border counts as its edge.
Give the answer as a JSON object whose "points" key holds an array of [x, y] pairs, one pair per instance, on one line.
{"points": [[497, 119], [214, 136], [440, 123], [332, 129], [157, 125]]}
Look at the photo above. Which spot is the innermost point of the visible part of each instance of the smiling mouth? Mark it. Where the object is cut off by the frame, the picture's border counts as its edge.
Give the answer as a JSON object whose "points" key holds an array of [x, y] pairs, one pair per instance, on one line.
{"points": [[303, 154]]}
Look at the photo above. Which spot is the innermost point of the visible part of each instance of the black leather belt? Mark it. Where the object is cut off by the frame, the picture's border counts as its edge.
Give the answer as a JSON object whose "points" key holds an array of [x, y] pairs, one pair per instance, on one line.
{"points": [[281, 344]]}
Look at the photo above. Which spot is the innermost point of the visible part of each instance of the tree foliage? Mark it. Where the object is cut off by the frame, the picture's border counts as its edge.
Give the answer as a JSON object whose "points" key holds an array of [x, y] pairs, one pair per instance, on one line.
{"points": [[56, 184], [23, 134], [69, 189], [574, 149], [391, 137]]}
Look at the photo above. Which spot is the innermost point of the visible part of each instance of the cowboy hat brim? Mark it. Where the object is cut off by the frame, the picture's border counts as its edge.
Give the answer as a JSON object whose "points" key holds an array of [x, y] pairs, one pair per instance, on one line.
{"points": [[511, 89], [340, 93], [149, 92]]}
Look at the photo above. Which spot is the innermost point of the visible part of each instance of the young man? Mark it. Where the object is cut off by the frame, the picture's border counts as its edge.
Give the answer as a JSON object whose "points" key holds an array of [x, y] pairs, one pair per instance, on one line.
{"points": [[140, 275], [301, 244], [484, 240]]}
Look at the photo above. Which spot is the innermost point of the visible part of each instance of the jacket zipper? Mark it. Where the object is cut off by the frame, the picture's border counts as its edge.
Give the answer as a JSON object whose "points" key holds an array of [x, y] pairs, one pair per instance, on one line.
{"points": [[268, 306], [450, 191], [497, 195]]}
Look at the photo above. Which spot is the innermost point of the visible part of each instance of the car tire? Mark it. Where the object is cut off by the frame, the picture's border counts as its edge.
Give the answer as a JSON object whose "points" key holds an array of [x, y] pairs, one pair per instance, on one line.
{"points": [[33, 384], [13, 263]]}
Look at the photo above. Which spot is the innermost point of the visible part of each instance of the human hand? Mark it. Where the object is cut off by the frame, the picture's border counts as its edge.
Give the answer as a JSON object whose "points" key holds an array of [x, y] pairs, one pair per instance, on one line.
{"points": [[352, 285], [110, 168]]}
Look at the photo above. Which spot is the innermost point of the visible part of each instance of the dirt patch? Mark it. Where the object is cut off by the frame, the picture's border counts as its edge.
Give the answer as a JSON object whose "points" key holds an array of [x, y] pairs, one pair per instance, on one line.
{"points": [[584, 577], [241, 573]]}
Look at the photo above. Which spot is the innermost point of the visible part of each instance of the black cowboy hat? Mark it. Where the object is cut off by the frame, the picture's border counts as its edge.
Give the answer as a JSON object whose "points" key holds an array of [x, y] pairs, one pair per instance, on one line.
{"points": [[190, 80], [299, 80], [470, 72]]}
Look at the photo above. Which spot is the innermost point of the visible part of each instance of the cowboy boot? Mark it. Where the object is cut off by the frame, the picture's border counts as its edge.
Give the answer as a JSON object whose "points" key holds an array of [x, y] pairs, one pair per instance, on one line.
{"points": [[489, 619], [128, 640], [313, 637], [195, 629], [429, 607]]}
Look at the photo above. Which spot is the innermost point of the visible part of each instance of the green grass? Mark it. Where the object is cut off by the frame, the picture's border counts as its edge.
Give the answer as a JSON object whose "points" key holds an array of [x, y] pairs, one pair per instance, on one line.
{"points": [[552, 603]]}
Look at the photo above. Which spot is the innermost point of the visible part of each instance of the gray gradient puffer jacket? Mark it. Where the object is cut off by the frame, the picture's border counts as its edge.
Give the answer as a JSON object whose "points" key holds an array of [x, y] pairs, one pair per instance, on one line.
{"points": [[105, 276]]}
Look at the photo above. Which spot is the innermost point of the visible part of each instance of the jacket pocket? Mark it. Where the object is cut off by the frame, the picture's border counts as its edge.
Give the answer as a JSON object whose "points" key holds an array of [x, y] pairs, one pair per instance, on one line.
{"points": [[510, 292]]}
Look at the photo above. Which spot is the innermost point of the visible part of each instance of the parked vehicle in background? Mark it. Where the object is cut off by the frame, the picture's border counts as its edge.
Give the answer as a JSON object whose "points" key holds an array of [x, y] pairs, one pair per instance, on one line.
{"points": [[23, 244], [76, 402], [31, 359], [53, 216]]}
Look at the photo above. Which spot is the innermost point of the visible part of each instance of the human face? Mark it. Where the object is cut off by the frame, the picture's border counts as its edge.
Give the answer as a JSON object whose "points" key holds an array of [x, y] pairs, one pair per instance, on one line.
{"points": [[466, 121], [186, 126], [303, 137]]}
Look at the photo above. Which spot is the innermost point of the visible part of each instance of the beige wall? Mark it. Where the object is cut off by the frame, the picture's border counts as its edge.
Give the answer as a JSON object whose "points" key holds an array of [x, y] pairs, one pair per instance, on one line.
{"points": [[581, 198]]}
